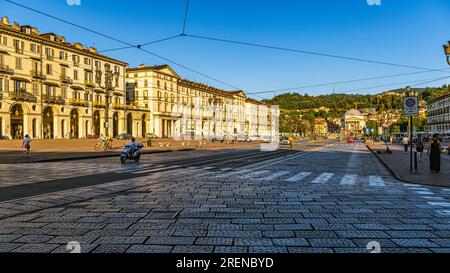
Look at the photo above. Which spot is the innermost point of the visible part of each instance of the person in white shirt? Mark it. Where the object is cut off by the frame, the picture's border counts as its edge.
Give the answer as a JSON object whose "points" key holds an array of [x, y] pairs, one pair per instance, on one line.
{"points": [[405, 143], [26, 144]]}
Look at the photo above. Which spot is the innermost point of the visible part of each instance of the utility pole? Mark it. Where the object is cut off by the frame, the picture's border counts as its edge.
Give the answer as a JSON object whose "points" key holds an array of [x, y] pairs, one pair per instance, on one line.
{"points": [[411, 109], [109, 88]]}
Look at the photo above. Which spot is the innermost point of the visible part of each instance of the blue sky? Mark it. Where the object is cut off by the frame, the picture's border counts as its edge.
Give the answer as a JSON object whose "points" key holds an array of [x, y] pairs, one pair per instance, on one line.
{"points": [[409, 32]]}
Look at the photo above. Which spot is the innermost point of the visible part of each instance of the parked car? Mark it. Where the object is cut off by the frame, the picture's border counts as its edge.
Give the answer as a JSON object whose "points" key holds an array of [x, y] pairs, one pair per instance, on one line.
{"points": [[351, 140], [242, 138], [285, 141]]}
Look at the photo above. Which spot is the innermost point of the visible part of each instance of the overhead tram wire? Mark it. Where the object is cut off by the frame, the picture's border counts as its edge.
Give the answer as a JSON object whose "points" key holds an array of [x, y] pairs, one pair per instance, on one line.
{"points": [[426, 82], [308, 52], [183, 33], [122, 42], [421, 81], [141, 45], [157, 41], [346, 81], [209, 38]]}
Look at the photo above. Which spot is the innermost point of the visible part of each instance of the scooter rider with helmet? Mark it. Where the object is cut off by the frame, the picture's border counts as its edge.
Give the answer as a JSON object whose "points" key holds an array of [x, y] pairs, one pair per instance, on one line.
{"points": [[134, 146]]}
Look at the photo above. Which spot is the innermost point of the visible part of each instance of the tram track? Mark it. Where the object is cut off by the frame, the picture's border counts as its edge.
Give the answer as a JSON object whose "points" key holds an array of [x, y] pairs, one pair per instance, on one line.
{"points": [[229, 160]]}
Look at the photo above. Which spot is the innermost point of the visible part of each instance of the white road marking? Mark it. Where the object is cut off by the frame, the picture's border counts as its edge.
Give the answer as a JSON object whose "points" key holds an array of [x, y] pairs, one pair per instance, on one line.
{"points": [[434, 197], [376, 181], [298, 177], [157, 169], [348, 179], [253, 174], [275, 175], [424, 192], [441, 204], [323, 178], [443, 212], [231, 173]]}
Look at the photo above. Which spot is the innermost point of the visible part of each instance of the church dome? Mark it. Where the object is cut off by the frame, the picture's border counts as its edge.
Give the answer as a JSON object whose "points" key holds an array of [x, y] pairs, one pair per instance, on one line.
{"points": [[353, 112]]}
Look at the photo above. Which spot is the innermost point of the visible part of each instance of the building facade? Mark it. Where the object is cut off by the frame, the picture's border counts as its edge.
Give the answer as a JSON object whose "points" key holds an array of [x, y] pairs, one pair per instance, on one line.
{"points": [[438, 115], [354, 122], [320, 126], [53, 89], [50, 88], [180, 108]]}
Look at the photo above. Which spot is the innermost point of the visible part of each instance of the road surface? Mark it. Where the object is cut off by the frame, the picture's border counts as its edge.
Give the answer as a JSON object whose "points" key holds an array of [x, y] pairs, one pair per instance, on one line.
{"points": [[333, 197]]}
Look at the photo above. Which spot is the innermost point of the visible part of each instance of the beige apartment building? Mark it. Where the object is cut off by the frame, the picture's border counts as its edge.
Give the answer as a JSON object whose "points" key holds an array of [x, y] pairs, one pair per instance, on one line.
{"points": [[438, 115], [50, 88], [53, 89], [182, 108]]}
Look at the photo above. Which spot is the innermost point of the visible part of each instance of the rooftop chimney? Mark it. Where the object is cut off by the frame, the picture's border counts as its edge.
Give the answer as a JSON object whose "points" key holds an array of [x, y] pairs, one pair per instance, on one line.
{"points": [[5, 20]]}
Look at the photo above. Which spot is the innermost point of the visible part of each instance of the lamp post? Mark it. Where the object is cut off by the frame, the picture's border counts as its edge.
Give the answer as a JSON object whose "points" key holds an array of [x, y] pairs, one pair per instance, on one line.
{"points": [[447, 52], [109, 87]]}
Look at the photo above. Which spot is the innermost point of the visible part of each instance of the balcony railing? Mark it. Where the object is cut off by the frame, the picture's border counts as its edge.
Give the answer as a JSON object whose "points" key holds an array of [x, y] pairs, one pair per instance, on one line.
{"points": [[22, 95], [133, 105], [4, 69], [78, 102], [118, 105], [53, 99], [99, 104], [66, 79], [38, 75], [50, 57]]}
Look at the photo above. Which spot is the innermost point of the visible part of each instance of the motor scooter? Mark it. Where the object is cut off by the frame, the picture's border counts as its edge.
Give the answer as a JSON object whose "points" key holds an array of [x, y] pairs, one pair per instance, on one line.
{"points": [[131, 152]]}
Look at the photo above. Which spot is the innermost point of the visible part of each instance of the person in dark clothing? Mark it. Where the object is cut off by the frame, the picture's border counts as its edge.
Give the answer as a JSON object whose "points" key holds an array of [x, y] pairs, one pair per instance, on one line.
{"points": [[435, 154], [419, 146]]}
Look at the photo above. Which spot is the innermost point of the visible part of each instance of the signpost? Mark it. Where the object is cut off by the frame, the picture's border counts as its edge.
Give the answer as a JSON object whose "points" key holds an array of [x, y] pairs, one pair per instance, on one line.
{"points": [[411, 109]]}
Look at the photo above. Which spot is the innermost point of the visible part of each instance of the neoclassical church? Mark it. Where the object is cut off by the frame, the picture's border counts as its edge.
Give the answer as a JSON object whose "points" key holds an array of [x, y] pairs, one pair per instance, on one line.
{"points": [[354, 122]]}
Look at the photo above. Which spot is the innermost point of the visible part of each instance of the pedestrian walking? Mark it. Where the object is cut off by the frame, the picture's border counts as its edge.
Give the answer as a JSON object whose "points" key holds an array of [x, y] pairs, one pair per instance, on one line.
{"points": [[435, 154], [26, 144], [291, 141], [419, 146], [405, 143]]}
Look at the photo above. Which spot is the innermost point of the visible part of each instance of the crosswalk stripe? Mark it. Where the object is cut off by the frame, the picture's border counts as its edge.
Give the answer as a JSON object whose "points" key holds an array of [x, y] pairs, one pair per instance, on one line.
{"points": [[440, 204], [376, 181], [232, 173], [348, 179], [298, 177], [275, 175], [157, 169], [323, 178], [253, 174]]}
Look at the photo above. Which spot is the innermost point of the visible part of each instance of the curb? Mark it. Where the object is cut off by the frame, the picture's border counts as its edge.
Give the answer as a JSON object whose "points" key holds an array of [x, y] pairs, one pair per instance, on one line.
{"points": [[398, 177], [392, 171], [101, 156]]}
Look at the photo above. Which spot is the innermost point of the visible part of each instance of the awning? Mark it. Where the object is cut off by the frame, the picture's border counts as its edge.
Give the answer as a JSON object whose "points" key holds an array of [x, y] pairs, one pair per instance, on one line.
{"points": [[4, 52], [52, 84], [76, 87], [20, 79]]}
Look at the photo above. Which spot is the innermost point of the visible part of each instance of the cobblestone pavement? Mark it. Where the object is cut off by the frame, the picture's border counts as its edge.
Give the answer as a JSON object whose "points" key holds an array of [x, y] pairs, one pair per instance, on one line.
{"points": [[16, 174], [334, 199]]}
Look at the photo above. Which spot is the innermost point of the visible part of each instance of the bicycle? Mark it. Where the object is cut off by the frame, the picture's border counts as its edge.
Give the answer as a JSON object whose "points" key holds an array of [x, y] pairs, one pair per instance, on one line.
{"points": [[100, 145]]}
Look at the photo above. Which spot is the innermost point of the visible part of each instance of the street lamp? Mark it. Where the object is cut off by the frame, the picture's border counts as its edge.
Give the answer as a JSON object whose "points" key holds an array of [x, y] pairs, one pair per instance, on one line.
{"points": [[109, 87], [447, 52]]}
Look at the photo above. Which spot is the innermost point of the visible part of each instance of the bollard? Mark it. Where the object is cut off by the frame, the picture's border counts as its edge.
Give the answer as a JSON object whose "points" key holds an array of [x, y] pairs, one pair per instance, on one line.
{"points": [[415, 161]]}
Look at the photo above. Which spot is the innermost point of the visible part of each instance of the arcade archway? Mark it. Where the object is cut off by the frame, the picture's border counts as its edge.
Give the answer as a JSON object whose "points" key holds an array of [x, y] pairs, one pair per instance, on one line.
{"points": [[16, 115]]}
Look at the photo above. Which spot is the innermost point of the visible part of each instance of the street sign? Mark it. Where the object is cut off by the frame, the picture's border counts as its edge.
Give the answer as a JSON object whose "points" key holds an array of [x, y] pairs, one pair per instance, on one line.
{"points": [[410, 106]]}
